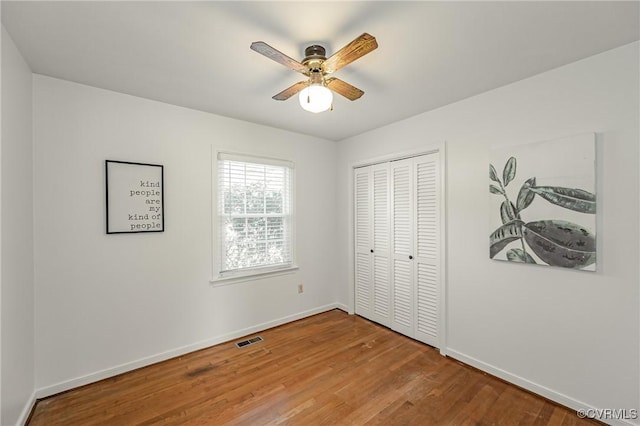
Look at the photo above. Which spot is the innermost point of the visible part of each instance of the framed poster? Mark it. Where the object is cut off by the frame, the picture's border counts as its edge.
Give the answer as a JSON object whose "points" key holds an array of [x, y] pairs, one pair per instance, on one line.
{"points": [[543, 203], [135, 197]]}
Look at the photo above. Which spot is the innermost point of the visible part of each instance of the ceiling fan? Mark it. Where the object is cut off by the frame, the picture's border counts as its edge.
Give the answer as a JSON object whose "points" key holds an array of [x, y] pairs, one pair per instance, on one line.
{"points": [[315, 92]]}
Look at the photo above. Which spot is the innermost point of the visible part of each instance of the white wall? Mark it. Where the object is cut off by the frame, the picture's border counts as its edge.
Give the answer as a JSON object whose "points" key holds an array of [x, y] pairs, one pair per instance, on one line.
{"points": [[16, 231], [105, 304], [570, 335], [109, 303]]}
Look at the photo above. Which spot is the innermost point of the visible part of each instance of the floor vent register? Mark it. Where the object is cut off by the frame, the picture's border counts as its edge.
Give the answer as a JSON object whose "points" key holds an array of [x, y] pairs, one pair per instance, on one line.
{"points": [[248, 342]]}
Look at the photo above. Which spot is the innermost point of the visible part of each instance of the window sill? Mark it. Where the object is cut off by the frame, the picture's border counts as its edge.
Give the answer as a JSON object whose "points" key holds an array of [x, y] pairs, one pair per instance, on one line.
{"points": [[231, 279]]}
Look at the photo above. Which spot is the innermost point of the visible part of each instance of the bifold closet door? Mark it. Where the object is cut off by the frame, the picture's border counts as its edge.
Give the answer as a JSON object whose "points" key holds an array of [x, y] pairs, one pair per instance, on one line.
{"points": [[402, 274], [373, 291], [415, 246], [427, 248], [362, 230], [397, 245]]}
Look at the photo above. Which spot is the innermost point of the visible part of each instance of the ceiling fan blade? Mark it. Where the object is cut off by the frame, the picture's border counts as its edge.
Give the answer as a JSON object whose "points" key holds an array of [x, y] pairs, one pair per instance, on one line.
{"points": [[352, 51], [273, 54], [345, 89], [290, 91]]}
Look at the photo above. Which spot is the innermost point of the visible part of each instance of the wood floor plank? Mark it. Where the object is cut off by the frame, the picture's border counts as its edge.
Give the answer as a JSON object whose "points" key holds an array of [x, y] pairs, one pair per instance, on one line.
{"points": [[328, 369]]}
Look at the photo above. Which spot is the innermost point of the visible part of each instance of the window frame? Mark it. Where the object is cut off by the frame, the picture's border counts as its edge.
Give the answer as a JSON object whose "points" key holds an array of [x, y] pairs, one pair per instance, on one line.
{"points": [[227, 277]]}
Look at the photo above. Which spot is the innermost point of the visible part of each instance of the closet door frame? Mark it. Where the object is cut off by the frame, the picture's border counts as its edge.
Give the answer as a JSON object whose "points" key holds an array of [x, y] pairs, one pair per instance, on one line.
{"points": [[440, 148]]}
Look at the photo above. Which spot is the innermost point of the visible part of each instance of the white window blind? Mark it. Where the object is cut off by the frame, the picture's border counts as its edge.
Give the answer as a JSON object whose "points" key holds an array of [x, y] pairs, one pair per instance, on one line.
{"points": [[255, 198]]}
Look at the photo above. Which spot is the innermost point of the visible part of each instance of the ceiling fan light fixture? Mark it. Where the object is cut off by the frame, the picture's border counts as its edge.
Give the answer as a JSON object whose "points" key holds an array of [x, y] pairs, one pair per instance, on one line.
{"points": [[314, 94], [316, 98]]}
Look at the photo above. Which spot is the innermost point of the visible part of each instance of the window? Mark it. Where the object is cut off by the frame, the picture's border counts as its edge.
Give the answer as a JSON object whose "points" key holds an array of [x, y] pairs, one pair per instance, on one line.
{"points": [[254, 214]]}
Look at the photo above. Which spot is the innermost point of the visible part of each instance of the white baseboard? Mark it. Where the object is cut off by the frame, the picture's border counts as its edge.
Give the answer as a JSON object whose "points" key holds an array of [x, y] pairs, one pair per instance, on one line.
{"points": [[342, 307], [558, 397], [26, 411], [143, 362]]}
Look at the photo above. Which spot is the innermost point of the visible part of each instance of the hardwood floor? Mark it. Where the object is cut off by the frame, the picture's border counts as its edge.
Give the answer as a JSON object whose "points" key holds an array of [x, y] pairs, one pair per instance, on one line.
{"points": [[330, 369]]}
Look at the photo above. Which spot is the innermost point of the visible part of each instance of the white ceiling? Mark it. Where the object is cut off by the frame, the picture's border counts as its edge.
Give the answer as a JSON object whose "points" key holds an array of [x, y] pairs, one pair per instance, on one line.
{"points": [[196, 54]]}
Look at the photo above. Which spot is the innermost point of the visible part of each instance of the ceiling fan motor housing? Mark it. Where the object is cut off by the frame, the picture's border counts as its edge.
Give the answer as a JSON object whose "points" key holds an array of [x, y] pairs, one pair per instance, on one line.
{"points": [[315, 51], [314, 57]]}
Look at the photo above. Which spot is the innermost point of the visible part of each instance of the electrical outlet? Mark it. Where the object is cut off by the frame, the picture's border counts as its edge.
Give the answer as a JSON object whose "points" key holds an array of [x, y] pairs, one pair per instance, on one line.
{"points": [[300, 288]]}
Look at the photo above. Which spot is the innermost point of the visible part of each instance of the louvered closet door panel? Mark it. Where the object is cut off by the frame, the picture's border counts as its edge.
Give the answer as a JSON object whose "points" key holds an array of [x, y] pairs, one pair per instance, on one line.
{"points": [[402, 299], [427, 247], [363, 264], [363, 285], [381, 277]]}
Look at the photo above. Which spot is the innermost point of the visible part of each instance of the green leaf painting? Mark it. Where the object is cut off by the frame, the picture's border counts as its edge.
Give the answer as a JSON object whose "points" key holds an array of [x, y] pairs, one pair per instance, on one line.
{"points": [[561, 243], [526, 196], [493, 175], [509, 171], [574, 199], [519, 255], [503, 236], [551, 219], [508, 212], [495, 190]]}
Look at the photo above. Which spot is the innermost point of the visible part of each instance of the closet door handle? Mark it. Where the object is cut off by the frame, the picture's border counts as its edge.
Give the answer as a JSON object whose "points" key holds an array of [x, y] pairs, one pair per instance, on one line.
{"points": [[371, 250], [410, 257]]}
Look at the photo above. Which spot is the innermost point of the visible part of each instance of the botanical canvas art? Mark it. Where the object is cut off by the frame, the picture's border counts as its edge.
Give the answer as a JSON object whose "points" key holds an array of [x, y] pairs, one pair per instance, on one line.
{"points": [[543, 203]]}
